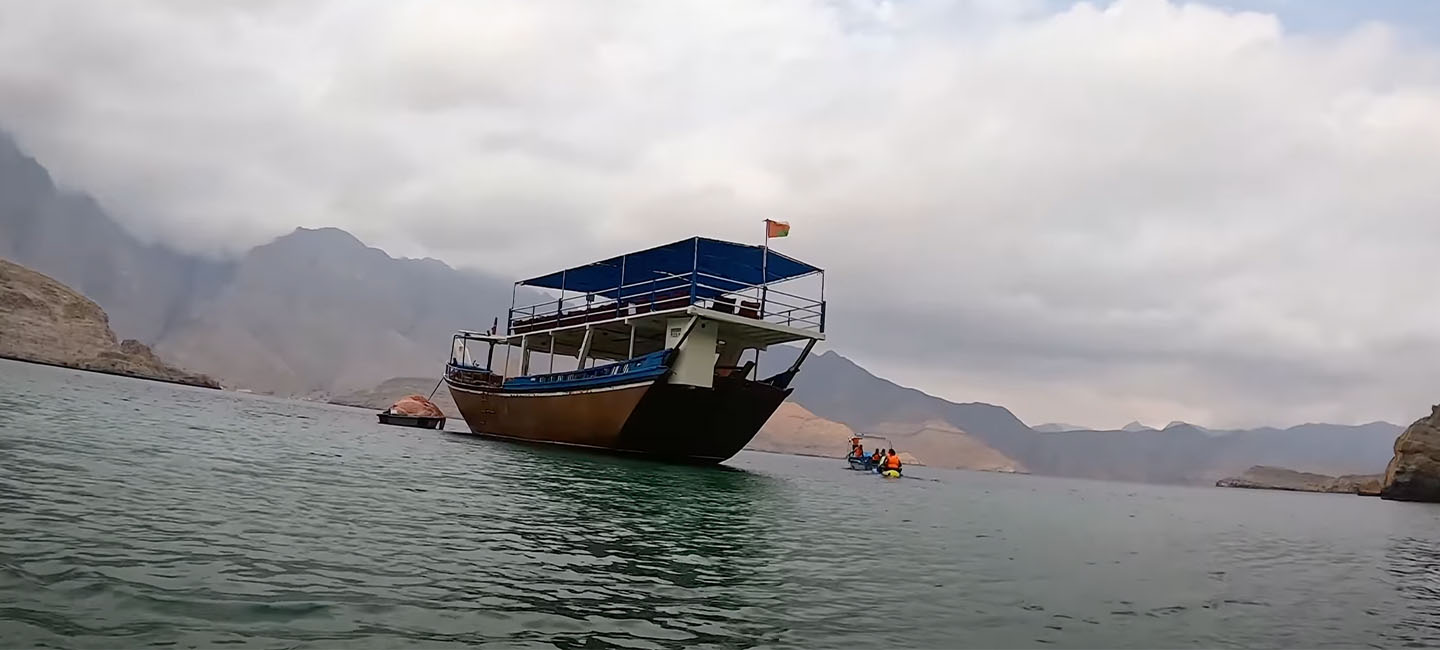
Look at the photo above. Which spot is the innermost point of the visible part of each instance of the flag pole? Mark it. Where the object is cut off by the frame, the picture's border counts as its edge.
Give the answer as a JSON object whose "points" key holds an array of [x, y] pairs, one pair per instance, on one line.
{"points": [[764, 270], [764, 290]]}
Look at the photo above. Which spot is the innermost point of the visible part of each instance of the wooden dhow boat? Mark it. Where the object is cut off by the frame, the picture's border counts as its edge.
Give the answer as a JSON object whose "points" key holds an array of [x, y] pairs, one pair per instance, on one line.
{"points": [[664, 344]]}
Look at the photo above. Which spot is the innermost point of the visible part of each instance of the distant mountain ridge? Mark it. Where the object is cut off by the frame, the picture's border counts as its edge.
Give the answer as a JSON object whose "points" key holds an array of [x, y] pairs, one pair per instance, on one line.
{"points": [[836, 388], [144, 288], [311, 313]]}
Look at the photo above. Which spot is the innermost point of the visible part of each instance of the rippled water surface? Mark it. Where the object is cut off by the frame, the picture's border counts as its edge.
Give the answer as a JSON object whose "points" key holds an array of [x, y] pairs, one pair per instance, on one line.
{"points": [[137, 514]]}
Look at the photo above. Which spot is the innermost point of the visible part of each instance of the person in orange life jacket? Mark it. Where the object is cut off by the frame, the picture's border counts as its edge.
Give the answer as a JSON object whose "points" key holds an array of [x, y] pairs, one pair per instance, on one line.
{"points": [[856, 449], [892, 460], [876, 457]]}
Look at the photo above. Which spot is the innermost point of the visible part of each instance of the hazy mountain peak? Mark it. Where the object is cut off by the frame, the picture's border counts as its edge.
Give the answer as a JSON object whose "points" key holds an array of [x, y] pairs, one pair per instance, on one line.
{"points": [[325, 236], [1136, 426]]}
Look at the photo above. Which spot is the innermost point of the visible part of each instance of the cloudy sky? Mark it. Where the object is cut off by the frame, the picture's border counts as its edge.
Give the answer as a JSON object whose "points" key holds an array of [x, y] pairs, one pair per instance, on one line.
{"points": [[1225, 213]]}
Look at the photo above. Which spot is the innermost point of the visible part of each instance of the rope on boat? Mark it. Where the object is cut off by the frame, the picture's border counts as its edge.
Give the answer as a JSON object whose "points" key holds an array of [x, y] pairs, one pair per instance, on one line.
{"points": [[437, 387]]}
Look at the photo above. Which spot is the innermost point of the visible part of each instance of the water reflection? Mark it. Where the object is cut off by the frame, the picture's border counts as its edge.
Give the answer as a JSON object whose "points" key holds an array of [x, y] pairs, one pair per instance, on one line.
{"points": [[1413, 565], [687, 550], [136, 514]]}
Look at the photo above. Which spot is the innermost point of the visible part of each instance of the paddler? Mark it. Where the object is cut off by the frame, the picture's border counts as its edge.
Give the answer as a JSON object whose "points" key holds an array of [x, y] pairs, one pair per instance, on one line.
{"points": [[876, 457], [892, 461], [856, 449]]}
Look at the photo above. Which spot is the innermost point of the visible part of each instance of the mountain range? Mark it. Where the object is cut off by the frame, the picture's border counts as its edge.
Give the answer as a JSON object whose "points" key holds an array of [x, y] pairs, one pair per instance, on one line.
{"points": [[311, 313], [834, 387], [316, 313]]}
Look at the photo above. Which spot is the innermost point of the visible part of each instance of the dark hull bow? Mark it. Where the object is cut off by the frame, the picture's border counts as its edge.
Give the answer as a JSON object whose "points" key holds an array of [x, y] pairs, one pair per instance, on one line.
{"points": [[651, 418]]}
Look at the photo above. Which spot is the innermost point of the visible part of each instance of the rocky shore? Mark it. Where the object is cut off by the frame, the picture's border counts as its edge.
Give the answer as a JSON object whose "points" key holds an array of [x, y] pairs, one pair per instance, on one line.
{"points": [[1414, 472], [44, 321], [1261, 477]]}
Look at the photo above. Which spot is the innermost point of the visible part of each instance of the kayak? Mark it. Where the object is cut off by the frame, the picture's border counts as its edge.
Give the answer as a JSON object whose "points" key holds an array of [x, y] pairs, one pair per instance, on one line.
{"points": [[890, 473]]}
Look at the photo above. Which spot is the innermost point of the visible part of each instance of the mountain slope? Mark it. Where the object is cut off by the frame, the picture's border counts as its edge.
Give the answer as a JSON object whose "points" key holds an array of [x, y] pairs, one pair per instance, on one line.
{"points": [[1056, 427], [794, 430], [65, 235], [942, 445], [311, 313], [358, 317], [836, 388], [45, 321]]}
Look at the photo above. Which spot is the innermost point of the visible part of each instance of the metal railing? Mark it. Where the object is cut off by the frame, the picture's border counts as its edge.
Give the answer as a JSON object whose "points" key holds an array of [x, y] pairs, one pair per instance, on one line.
{"points": [[764, 302]]}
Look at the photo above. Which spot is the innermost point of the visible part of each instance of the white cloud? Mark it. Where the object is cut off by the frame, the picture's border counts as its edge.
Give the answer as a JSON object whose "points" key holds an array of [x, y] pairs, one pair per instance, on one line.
{"points": [[1135, 210]]}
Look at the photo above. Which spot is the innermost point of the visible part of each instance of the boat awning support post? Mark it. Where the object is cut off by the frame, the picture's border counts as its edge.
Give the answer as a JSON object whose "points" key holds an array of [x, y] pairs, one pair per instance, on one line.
{"points": [[510, 315], [783, 379], [584, 346], [795, 367], [524, 355], [631, 353], [688, 328], [620, 308], [694, 269]]}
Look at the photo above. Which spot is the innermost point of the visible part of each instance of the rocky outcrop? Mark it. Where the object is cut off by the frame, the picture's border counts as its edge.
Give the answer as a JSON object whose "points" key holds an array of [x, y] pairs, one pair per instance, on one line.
{"points": [[1414, 472], [44, 321], [1262, 477]]}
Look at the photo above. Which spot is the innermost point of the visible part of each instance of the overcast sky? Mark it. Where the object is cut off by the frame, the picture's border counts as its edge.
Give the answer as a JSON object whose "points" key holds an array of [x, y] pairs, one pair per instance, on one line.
{"points": [[1227, 214]]}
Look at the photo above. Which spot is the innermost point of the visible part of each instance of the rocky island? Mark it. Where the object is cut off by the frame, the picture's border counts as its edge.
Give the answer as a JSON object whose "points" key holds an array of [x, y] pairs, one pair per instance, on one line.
{"points": [[1262, 477], [1414, 472], [44, 321]]}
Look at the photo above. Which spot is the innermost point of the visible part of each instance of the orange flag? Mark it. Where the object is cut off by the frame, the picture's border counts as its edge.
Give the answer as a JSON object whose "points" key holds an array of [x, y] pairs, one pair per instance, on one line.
{"points": [[776, 228]]}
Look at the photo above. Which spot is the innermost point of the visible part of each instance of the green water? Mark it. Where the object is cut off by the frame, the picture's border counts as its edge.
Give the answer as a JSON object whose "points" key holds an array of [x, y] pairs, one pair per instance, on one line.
{"points": [[141, 514]]}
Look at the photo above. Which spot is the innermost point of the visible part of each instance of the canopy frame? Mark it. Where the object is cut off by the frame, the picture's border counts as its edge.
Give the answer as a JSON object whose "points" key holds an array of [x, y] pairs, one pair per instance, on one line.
{"points": [[721, 276]]}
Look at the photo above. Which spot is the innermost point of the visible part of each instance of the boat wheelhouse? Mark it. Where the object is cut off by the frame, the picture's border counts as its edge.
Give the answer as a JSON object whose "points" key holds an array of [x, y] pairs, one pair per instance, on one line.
{"points": [[660, 351]]}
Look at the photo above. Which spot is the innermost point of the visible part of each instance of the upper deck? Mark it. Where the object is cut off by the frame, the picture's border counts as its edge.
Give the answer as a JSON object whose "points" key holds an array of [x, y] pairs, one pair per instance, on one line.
{"points": [[750, 286]]}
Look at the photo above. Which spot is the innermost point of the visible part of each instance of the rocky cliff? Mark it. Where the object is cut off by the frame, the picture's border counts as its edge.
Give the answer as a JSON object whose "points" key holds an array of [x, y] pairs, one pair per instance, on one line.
{"points": [[1261, 477], [44, 321], [1414, 472]]}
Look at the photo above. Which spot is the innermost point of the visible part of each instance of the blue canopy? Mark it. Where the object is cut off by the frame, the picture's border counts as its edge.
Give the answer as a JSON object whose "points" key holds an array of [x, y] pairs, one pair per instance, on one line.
{"points": [[727, 266]]}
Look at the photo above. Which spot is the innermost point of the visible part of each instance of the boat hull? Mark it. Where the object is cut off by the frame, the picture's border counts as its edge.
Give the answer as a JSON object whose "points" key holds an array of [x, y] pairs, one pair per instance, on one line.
{"points": [[649, 418], [417, 421]]}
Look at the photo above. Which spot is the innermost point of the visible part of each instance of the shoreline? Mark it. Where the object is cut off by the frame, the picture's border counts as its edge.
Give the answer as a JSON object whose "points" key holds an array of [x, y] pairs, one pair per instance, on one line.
{"points": [[163, 380]]}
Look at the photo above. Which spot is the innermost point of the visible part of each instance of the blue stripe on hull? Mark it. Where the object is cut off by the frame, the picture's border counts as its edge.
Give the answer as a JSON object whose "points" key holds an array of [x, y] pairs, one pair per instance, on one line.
{"points": [[650, 366]]}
